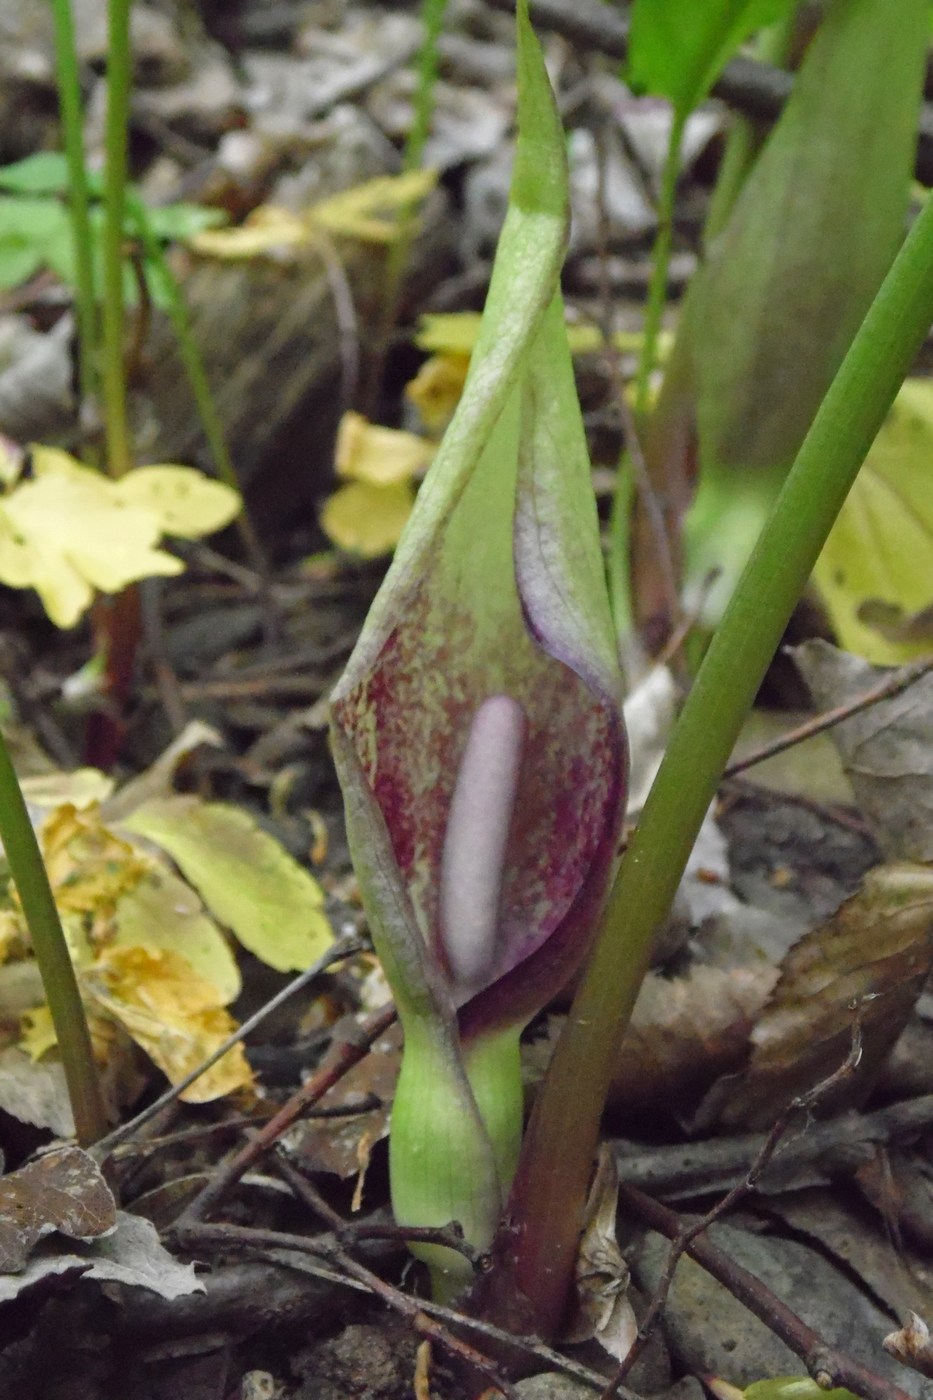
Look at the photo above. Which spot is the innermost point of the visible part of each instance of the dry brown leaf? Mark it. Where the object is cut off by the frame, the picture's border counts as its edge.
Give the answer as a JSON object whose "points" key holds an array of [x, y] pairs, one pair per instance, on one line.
{"points": [[62, 1190], [870, 961], [912, 1345], [886, 750], [602, 1275]]}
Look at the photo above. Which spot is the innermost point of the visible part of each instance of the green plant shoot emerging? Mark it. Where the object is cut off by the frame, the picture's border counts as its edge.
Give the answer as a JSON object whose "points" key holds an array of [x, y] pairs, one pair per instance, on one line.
{"points": [[477, 729]]}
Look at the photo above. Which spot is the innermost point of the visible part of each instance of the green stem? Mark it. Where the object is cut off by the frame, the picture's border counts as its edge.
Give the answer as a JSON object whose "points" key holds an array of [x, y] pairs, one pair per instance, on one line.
{"points": [[620, 520], [197, 375], [557, 1156], [657, 288], [51, 950], [70, 103], [119, 66]]}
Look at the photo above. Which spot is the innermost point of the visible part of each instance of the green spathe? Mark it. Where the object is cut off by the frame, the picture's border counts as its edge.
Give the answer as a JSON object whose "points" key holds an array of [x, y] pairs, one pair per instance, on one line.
{"points": [[496, 597]]}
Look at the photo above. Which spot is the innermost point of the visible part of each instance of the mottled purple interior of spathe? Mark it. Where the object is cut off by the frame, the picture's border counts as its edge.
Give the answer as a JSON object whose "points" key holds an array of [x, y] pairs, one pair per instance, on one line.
{"points": [[409, 718]]}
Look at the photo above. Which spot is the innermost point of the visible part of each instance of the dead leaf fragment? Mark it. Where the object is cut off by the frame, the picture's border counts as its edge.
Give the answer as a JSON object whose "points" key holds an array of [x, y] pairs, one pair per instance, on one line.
{"points": [[63, 1190], [912, 1345], [870, 961], [887, 750], [602, 1275]]}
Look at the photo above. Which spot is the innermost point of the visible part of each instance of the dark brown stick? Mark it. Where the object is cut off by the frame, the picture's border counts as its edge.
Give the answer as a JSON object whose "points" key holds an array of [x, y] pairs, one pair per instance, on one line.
{"points": [[342, 1058]]}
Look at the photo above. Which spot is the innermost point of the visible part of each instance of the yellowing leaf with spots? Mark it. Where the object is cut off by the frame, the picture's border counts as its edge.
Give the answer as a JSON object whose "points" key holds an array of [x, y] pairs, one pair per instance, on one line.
{"points": [[879, 557], [184, 501], [69, 530], [172, 1013], [89, 866], [250, 884]]}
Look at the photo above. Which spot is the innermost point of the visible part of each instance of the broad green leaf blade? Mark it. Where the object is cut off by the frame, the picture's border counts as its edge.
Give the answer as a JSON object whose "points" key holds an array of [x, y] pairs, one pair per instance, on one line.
{"points": [[247, 880], [880, 551], [678, 48], [790, 277]]}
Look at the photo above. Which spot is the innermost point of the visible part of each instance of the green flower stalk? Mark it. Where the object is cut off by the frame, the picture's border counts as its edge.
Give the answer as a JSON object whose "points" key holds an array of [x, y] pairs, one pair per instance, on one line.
{"points": [[477, 730]]}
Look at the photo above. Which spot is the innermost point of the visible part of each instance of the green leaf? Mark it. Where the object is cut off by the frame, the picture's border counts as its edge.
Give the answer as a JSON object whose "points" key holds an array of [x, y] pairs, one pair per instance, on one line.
{"points": [[678, 48], [880, 550], [173, 223], [247, 880], [793, 1388], [17, 263], [46, 172], [790, 277]]}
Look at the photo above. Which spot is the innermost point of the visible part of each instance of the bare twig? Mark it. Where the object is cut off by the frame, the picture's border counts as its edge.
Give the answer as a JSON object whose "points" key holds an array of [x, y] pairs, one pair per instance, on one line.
{"points": [[226, 1237], [342, 1058], [891, 685], [834, 1146], [804, 1102], [343, 948], [828, 1367]]}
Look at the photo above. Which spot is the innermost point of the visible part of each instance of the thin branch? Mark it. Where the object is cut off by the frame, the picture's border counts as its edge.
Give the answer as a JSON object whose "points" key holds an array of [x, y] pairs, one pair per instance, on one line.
{"points": [[344, 1055], [344, 948], [804, 1102], [890, 685], [225, 1237]]}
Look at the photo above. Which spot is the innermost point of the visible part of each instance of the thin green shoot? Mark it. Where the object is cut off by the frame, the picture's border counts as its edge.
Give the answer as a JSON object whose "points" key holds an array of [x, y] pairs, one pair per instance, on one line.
{"points": [[193, 362], [69, 96], [52, 955], [119, 72]]}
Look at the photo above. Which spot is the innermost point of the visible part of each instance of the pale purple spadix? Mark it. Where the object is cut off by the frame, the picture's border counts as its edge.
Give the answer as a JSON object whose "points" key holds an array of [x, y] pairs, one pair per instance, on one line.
{"points": [[475, 845]]}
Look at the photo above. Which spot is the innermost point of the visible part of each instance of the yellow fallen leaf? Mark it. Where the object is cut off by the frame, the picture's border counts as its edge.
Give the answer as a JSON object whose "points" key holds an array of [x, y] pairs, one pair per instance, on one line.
{"points": [[379, 456], [89, 867], [82, 787], [70, 530], [163, 912], [367, 520], [173, 1014], [880, 550], [455, 332], [247, 880], [361, 212], [184, 501], [372, 212], [38, 1033], [436, 388], [267, 230]]}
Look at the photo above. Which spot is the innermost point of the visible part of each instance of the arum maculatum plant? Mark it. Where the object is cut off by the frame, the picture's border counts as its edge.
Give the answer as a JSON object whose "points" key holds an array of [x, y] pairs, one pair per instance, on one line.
{"points": [[477, 729]]}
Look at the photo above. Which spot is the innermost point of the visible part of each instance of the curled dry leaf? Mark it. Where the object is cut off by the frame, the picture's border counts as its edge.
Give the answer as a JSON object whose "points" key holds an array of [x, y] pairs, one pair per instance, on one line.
{"points": [[62, 1190], [887, 750], [912, 1345], [602, 1275], [867, 964]]}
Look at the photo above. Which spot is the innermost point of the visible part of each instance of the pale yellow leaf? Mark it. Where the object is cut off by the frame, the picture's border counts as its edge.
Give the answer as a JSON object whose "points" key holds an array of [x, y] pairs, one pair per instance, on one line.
{"points": [[247, 880], [455, 333], [266, 230], [436, 388], [163, 912], [880, 550], [379, 456], [184, 501], [82, 787], [174, 1014], [38, 1033], [367, 520], [370, 211]]}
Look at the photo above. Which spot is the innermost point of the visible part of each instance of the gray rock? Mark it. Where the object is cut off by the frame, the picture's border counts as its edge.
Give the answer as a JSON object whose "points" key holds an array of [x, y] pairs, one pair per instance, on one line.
{"points": [[710, 1331]]}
